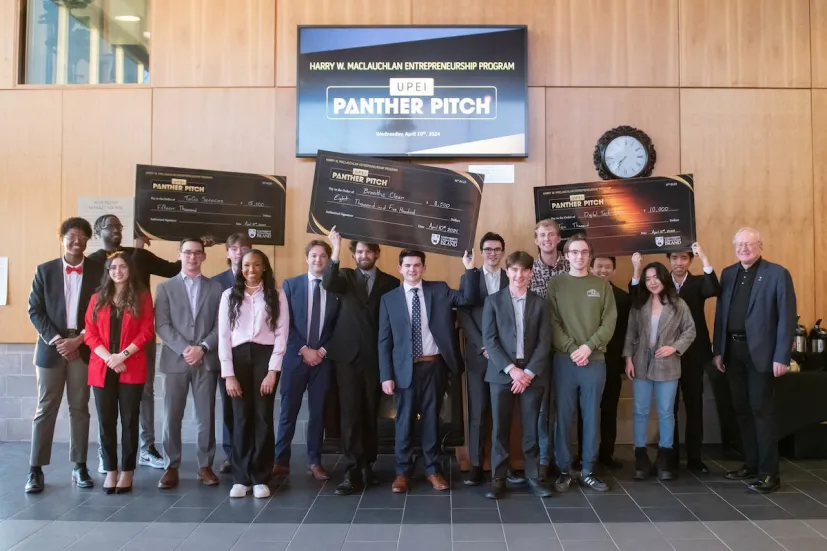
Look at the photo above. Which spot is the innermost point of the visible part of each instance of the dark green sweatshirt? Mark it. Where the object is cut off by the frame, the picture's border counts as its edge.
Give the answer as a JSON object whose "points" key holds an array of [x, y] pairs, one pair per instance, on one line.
{"points": [[583, 311]]}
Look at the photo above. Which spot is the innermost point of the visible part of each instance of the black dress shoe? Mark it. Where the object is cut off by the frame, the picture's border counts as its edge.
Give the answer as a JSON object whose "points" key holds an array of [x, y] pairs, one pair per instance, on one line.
{"points": [[35, 483], [515, 477], [697, 466], [743, 473], [611, 462], [369, 476], [347, 487], [538, 489], [497, 489], [474, 477], [80, 476], [766, 484]]}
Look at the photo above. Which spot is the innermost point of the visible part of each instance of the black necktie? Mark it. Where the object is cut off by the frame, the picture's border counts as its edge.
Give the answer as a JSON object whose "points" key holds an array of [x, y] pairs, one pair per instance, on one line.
{"points": [[315, 316], [366, 276], [416, 324]]}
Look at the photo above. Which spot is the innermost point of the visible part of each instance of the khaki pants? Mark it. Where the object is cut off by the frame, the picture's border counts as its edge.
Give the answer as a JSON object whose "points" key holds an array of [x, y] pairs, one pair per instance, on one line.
{"points": [[74, 376]]}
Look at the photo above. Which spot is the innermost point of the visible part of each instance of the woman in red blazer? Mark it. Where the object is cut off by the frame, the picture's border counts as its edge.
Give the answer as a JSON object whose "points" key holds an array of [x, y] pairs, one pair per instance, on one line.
{"points": [[119, 322]]}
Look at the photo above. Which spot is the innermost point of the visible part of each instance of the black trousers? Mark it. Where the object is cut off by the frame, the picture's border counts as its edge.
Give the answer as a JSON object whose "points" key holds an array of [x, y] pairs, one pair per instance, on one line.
{"points": [[117, 397], [608, 412], [359, 393], [479, 396], [752, 398], [227, 417], [730, 436], [691, 388], [502, 408], [423, 398], [253, 440]]}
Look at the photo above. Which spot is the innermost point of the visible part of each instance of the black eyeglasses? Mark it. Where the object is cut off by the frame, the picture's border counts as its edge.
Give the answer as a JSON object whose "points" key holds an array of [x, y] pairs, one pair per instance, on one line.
{"points": [[489, 250]]}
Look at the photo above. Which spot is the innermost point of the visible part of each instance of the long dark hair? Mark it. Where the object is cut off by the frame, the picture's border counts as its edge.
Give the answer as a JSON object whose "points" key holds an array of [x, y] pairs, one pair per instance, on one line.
{"points": [[668, 295], [130, 298], [268, 287]]}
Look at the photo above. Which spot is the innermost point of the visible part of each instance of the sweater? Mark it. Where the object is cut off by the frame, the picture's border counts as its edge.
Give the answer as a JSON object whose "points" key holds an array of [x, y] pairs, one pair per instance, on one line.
{"points": [[583, 311]]}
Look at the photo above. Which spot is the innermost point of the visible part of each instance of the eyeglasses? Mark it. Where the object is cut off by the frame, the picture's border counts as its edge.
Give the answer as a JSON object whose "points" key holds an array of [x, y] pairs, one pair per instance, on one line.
{"points": [[584, 252], [746, 244], [489, 250], [110, 227], [196, 254]]}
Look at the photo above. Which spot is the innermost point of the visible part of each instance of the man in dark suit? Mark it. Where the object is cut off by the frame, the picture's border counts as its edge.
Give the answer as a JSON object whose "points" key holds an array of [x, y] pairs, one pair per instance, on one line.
{"points": [[238, 244], [353, 349], [417, 344], [694, 290], [604, 267], [490, 279], [313, 313], [58, 300], [754, 327], [517, 337]]}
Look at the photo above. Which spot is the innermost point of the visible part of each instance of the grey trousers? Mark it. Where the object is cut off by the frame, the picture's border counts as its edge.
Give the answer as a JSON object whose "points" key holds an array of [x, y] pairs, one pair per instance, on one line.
{"points": [[147, 415], [74, 376], [176, 388]]}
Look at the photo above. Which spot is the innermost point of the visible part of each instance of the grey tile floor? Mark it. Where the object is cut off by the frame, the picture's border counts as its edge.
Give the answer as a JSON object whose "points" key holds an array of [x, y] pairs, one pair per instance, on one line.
{"points": [[688, 514]]}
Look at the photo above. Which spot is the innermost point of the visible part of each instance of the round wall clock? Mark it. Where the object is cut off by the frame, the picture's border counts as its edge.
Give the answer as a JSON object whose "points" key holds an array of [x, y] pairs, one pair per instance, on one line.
{"points": [[624, 152]]}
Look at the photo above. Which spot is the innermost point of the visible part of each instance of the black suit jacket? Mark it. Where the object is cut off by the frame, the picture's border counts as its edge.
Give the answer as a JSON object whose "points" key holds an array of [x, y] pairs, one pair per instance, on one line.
{"points": [[356, 334], [146, 263], [225, 278], [500, 335], [395, 342], [47, 307], [771, 315], [694, 292], [614, 350], [470, 320]]}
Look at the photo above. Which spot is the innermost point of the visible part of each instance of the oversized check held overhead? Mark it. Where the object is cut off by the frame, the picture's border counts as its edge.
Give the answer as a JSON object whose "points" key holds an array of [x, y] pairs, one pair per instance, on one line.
{"points": [[399, 204], [621, 217]]}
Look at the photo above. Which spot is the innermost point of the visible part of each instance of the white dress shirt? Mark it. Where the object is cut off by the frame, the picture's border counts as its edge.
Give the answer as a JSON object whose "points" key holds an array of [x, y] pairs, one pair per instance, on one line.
{"points": [[492, 280], [71, 294], [519, 318], [193, 287], [310, 284], [429, 347]]}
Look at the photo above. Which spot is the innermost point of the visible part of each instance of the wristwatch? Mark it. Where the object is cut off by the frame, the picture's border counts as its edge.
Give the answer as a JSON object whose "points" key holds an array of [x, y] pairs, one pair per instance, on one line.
{"points": [[125, 353], [203, 348]]}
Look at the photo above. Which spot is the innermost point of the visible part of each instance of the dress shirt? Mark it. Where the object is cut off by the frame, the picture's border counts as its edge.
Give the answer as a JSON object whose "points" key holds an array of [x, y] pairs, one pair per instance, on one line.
{"points": [[310, 284], [429, 347], [707, 270], [370, 275], [251, 326], [519, 318], [492, 280], [193, 287], [71, 294]]}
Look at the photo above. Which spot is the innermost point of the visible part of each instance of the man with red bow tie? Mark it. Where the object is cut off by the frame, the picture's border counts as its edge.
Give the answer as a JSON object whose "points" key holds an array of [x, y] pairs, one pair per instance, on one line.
{"points": [[60, 294]]}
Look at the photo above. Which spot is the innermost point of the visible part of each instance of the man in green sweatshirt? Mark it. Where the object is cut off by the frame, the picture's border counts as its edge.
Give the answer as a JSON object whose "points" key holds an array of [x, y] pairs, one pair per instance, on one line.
{"points": [[583, 316]]}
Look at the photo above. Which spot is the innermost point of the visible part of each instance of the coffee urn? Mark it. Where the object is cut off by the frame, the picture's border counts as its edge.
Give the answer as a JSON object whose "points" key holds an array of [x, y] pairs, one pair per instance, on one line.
{"points": [[800, 341], [818, 339]]}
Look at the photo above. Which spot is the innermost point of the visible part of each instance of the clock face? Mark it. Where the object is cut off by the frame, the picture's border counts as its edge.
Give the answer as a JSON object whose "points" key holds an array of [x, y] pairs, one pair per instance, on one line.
{"points": [[625, 157]]}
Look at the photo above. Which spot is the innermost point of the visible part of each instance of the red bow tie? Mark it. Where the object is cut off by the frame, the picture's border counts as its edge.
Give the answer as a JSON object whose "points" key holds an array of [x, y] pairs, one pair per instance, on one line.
{"points": [[77, 269]]}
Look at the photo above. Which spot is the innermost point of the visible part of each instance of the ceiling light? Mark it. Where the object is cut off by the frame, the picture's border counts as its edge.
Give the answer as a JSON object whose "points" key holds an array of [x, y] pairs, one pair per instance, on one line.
{"points": [[128, 18]]}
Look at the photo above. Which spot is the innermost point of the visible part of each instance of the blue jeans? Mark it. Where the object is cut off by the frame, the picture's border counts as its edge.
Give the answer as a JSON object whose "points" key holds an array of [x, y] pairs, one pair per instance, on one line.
{"points": [[571, 381], [665, 392]]}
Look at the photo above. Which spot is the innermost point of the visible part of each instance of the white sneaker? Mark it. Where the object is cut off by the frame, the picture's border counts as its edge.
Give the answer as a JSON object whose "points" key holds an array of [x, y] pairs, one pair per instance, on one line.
{"points": [[151, 458], [261, 491], [101, 470], [240, 490]]}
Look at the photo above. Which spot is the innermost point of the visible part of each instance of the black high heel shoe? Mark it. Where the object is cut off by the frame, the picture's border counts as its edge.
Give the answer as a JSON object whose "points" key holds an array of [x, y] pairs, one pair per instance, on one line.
{"points": [[109, 490], [123, 489]]}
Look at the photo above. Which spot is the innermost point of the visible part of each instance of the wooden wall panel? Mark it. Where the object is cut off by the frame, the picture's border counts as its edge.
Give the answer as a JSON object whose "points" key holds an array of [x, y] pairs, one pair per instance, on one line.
{"points": [[213, 43], [820, 199], [745, 43], [216, 129], [105, 134], [30, 169], [752, 155], [580, 42], [8, 42], [292, 13], [818, 40]]}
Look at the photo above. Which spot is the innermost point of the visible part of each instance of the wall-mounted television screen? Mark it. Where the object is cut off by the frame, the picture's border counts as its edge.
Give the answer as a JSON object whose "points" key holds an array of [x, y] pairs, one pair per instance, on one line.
{"points": [[412, 91]]}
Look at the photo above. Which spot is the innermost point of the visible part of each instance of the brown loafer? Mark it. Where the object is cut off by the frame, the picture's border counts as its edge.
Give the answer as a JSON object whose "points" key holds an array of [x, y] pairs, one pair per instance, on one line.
{"points": [[318, 472], [400, 485], [169, 480], [207, 477], [225, 467], [280, 470], [438, 482]]}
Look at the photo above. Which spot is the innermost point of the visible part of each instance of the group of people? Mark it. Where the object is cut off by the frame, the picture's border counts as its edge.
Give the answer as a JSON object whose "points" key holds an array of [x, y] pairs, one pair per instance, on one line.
{"points": [[544, 337]]}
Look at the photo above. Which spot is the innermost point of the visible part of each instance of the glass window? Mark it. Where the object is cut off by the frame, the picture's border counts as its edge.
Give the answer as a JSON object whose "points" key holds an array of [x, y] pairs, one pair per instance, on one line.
{"points": [[86, 42]]}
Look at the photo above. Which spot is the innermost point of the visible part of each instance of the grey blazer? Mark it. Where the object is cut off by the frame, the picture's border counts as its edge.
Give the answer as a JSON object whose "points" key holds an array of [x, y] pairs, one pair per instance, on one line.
{"points": [[176, 327], [499, 335], [675, 329]]}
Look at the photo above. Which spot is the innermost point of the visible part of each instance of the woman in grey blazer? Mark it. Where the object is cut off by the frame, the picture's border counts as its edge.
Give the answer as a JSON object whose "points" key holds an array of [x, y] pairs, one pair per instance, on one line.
{"points": [[660, 330]]}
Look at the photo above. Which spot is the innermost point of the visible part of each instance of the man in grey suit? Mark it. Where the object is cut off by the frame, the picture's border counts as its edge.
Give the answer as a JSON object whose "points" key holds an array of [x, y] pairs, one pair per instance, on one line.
{"points": [[186, 319], [517, 336]]}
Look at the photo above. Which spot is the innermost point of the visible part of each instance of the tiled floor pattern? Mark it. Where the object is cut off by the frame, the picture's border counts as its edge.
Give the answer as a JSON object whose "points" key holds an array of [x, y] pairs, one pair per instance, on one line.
{"points": [[688, 514]]}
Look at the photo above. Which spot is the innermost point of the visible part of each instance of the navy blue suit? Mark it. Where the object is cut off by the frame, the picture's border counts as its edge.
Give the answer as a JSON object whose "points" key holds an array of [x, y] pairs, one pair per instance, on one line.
{"points": [[420, 385], [297, 376], [770, 327], [227, 280]]}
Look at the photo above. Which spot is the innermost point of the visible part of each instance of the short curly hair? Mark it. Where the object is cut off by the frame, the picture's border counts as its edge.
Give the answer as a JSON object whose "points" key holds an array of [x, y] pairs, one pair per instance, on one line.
{"points": [[75, 222]]}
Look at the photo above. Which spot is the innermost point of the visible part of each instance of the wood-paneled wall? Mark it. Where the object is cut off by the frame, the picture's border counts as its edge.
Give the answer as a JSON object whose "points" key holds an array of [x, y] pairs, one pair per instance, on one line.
{"points": [[728, 89]]}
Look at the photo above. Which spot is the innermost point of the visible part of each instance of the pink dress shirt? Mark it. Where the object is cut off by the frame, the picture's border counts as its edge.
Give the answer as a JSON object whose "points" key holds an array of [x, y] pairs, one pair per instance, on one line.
{"points": [[251, 326]]}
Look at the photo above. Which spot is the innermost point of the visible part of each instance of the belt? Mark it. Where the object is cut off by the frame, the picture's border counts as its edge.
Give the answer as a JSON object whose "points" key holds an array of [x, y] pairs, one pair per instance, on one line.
{"points": [[71, 333], [519, 363], [740, 337], [423, 359]]}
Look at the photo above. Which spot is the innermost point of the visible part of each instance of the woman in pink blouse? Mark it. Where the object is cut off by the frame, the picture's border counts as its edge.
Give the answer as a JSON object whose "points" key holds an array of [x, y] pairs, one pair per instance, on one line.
{"points": [[253, 320]]}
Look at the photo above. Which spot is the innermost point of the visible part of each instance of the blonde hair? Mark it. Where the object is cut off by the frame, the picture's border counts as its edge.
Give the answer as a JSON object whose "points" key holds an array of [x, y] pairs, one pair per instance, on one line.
{"points": [[547, 222]]}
